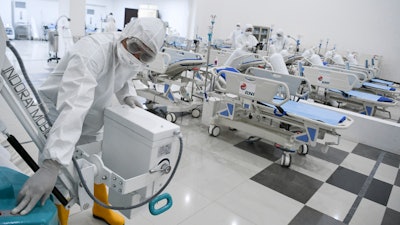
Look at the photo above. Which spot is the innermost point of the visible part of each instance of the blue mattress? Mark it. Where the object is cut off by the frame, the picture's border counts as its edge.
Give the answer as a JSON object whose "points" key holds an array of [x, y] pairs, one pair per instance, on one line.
{"points": [[311, 112], [388, 83], [377, 86], [364, 96]]}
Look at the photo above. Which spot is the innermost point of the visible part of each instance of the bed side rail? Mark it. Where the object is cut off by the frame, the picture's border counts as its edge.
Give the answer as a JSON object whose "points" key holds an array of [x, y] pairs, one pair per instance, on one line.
{"points": [[256, 88], [327, 78], [293, 82], [180, 55], [160, 63]]}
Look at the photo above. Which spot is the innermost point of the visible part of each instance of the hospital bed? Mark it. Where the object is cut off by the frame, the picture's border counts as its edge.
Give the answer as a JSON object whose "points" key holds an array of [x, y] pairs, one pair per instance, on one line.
{"points": [[368, 78], [173, 80], [339, 86], [262, 104], [219, 57], [370, 83], [245, 60]]}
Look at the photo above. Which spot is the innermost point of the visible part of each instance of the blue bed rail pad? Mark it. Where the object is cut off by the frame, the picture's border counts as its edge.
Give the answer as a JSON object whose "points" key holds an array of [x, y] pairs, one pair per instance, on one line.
{"points": [[311, 112], [364, 96], [377, 86], [231, 69]]}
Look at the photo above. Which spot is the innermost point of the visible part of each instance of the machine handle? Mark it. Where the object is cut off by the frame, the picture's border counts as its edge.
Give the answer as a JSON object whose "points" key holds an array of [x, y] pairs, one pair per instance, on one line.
{"points": [[156, 200]]}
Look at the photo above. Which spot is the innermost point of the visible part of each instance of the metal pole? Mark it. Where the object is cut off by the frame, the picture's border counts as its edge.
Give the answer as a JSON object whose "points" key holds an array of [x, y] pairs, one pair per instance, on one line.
{"points": [[208, 53]]}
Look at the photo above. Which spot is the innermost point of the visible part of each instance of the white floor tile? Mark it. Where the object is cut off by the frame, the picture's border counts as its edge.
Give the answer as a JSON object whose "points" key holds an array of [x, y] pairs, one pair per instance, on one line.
{"points": [[394, 199], [364, 216], [313, 166], [186, 202], [386, 173], [259, 204], [332, 201], [358, 163], [211, 178], [344, 144], [216, 214]]}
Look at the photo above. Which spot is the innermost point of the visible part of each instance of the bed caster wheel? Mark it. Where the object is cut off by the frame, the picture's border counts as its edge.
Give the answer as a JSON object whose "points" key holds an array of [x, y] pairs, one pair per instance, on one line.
{"points": [[214, 130], [171, 117], [303, 149], [286, 160], [196, 113]]}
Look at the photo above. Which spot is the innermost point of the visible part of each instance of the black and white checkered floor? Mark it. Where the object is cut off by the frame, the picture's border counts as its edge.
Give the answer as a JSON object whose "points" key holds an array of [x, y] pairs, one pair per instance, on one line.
{"points": [[355, 186]]}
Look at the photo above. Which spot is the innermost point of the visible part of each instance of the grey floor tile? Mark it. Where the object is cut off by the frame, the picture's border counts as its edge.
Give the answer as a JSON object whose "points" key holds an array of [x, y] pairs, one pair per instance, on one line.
{"points": [[288, 182], [333, 155], [391, 217], [348, 180], [367, 151], [397, 182], [309, 215], [379, 191], [261, 149], [391, 159]]}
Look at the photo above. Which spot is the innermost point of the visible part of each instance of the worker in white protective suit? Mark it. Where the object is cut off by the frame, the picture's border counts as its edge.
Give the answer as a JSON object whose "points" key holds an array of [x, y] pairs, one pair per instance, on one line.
{"points": [[83, 84], [280, 41], [110, 24], [235, 35], [245, 44]]}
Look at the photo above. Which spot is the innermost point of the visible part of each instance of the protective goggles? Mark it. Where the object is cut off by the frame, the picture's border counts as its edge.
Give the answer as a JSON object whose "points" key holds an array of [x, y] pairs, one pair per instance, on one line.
{"points": [[136, 47]]}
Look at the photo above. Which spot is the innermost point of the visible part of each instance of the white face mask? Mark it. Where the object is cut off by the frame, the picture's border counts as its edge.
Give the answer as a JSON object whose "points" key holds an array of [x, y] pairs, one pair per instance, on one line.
{"points": [[247, 33]]}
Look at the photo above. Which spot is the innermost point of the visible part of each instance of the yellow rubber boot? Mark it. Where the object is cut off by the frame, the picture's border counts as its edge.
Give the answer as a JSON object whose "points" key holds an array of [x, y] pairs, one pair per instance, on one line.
{"points": [[63, 214], [107, 215]]}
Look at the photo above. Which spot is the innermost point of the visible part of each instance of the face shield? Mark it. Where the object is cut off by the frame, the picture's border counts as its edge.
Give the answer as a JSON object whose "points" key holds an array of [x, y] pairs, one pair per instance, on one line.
{"points": [[140, 50], [144, 37]]}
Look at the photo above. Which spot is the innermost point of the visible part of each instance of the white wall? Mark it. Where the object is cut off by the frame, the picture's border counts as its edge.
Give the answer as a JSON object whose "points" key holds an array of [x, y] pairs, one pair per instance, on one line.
{"points": [[175, 12], [365, 26], [5, 12]]}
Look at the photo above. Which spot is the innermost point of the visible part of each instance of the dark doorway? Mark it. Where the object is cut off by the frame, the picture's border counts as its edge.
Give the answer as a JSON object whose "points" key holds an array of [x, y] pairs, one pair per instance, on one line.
{"points": [[129, 13]]}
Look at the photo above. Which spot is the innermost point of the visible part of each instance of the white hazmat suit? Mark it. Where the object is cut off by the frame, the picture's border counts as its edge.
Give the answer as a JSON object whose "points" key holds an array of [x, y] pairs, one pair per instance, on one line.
{"points": [[245, 44], [235, 34], [280, 41], [82, 86], [110, 24]]}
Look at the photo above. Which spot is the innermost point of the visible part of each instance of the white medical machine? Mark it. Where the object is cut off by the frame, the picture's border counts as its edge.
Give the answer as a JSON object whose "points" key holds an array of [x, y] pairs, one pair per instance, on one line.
{"points": [[137, 158]]}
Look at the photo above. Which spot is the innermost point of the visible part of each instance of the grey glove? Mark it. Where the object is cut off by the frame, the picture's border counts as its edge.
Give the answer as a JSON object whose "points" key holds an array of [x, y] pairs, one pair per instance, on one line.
{"points": [[133, 101], [38, 187]]}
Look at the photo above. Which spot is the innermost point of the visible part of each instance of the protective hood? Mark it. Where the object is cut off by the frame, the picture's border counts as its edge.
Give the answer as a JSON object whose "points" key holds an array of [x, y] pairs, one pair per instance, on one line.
{"points": [[247, 26], [151, 31]]}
